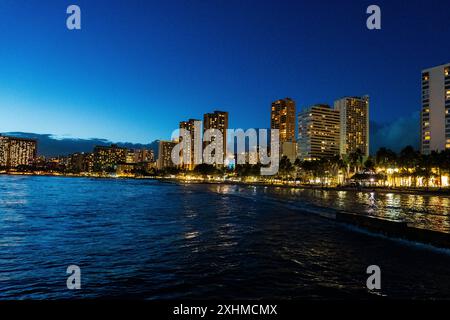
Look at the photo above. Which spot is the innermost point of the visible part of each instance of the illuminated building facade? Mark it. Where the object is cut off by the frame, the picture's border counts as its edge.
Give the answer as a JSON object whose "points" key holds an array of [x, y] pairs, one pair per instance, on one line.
{"points": [[282, 117], [144, 155], [165, 154], [81, 162], [17, 151], [217, 120], [435, 115], [318, 132], [106, 158], [140, 156], [354, 124], [190, 127]]}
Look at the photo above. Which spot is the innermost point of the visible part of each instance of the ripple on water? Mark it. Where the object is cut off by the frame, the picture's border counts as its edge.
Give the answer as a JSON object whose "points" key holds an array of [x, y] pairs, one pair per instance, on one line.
{"points": [[150, 240]]}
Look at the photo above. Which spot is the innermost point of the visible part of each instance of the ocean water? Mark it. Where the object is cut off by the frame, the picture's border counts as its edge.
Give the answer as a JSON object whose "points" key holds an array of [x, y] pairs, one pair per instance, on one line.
{"points": [[144, 239]]}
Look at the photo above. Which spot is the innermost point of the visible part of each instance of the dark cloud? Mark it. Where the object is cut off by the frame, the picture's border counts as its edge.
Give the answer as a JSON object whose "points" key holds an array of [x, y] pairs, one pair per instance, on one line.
{"points": [[396, 134], [51, 146]]}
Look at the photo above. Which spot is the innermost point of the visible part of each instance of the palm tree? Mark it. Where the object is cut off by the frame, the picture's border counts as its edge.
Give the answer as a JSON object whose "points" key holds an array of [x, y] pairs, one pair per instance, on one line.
{"points": [[297, 167], [286, 167], [335, 165], [425, 167], [369, 164], [320, 170], [307, 167], [356, 159], [408, 161], [385, 158], [435, 159], [445, 162]]}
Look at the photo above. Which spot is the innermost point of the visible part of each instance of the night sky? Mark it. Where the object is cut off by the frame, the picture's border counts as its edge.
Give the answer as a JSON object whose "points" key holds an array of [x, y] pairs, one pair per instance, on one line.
{"points": [[137, 68]]}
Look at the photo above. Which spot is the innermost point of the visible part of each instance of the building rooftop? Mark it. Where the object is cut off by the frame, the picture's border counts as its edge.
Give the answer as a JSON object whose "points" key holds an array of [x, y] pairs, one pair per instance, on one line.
{"points": [[437, 67]]}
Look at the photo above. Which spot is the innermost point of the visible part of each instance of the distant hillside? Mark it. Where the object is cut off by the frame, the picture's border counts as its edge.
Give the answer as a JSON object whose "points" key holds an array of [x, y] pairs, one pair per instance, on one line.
{"points": [[51, 146]]}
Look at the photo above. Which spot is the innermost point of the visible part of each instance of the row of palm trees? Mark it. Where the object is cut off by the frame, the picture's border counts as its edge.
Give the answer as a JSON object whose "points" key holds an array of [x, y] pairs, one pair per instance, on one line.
{"points": [[414, 165], [387, 166], [406, 168]]}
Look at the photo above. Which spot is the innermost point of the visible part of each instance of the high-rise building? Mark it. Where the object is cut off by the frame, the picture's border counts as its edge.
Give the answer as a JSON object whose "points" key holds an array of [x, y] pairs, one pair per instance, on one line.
{"points": [[17, 151], [282, 117], [81, 162], [165, 154], [189, 126], [140, 156], [131, 156], [354, 131], [435, 115], [318, 132], [144, 155], [217, 120], [106, 158]]}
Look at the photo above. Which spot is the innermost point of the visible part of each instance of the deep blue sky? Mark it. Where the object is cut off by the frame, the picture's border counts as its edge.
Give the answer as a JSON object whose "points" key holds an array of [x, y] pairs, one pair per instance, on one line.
{"points": [[139, 67]]}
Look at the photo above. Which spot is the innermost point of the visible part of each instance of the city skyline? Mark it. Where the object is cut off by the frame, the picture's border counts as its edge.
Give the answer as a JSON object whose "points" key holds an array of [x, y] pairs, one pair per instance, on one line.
{"points": [[53, 92], [349, 134]]}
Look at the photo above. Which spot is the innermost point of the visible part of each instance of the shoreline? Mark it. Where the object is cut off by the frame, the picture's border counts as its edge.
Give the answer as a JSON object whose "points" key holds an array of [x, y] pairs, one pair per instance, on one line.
{"points": [[441, 192], [377, 189]]}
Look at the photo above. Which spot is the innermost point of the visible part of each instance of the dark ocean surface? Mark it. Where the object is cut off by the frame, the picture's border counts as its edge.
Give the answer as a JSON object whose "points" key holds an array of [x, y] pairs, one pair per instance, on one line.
{"points": [[144, 239]]}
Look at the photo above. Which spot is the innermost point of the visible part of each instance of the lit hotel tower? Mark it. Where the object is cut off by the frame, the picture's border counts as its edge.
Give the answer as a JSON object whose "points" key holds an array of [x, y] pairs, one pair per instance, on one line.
{"points": [[354, 133], [318, 132], [283, 119], [17, 151], [435, 115], [190, 127], [165, 154], [217, 120]]}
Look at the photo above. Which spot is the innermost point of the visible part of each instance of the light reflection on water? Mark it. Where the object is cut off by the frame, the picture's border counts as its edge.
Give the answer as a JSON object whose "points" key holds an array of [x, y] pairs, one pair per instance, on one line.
{"points": [[422, 211], [151, 240]]}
